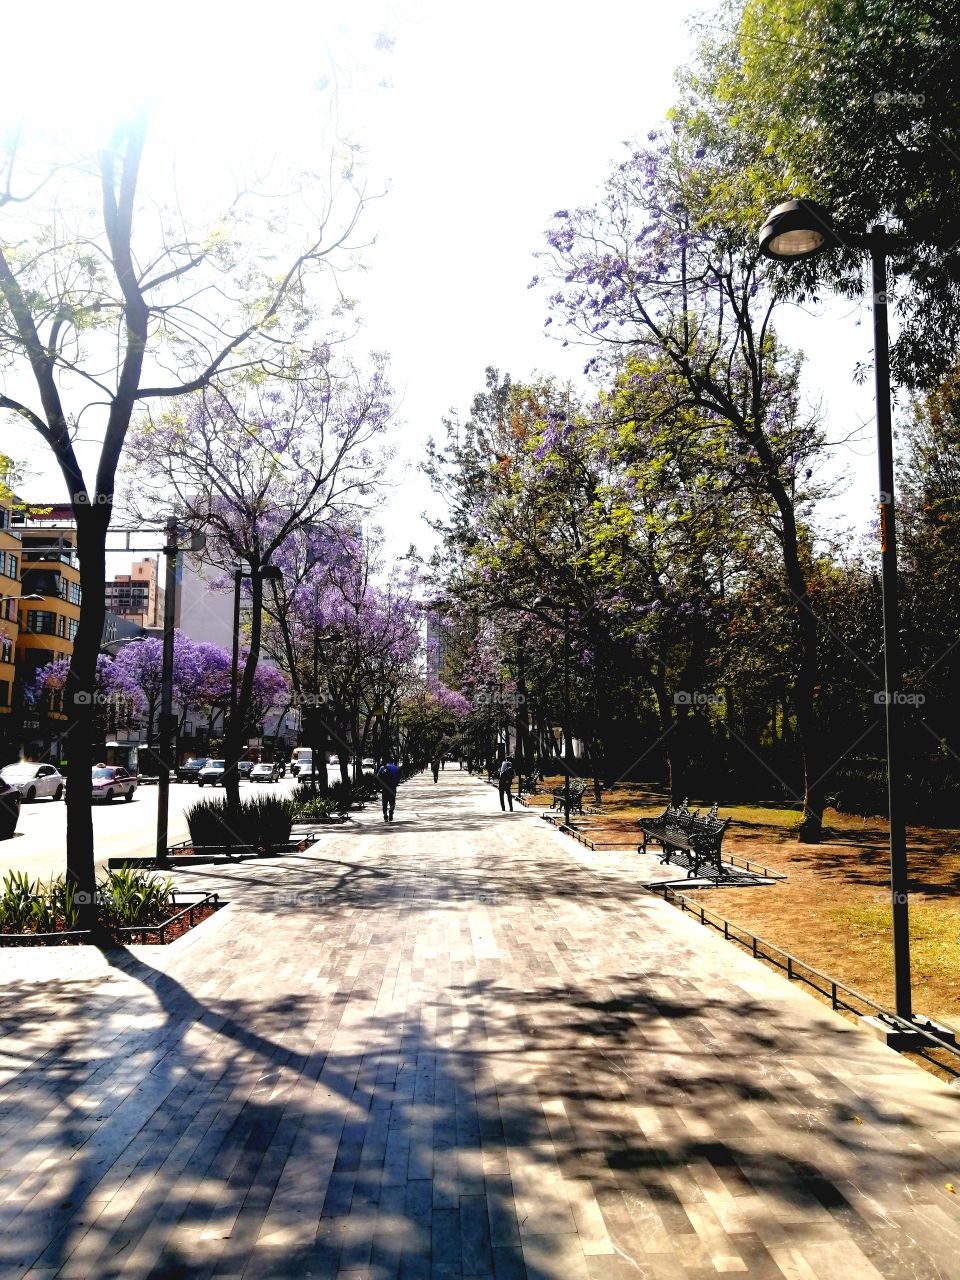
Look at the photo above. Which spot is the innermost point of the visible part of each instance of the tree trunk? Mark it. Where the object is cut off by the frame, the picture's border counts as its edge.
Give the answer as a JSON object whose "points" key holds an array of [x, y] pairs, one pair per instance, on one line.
{"points": [[524, 764], [235, 730], [670, 738], [80, 706]]}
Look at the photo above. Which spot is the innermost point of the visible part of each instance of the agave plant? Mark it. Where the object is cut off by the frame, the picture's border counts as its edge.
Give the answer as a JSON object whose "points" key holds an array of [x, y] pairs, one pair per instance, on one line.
{"points": [[130, 897], [16, 901]]}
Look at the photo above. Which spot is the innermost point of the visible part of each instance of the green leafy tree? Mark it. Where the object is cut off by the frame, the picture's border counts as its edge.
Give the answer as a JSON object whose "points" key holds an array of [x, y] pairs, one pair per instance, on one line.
{"points": [[853, 103]]}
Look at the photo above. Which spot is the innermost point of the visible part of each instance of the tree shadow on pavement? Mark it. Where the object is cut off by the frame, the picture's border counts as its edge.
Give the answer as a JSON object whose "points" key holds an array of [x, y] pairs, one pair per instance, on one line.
{"points": [[470, 1136]]}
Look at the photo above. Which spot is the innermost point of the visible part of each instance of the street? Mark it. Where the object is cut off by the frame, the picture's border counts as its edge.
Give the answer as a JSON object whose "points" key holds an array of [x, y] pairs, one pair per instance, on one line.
{"points": [[123, 827]]}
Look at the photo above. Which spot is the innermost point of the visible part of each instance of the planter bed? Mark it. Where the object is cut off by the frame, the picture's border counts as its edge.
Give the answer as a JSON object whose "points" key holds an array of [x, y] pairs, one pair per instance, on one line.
{"points": [[185, 854], [185, 916]]}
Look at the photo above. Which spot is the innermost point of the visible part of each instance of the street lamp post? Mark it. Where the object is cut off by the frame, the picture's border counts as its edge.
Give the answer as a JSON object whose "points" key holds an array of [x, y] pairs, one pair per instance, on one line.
{"points": [[801, 229], [168, 721]]}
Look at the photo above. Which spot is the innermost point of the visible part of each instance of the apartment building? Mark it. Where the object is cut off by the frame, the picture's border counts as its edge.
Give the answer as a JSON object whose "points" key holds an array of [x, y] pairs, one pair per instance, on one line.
{"points": [[10, 552], [137, 595]]}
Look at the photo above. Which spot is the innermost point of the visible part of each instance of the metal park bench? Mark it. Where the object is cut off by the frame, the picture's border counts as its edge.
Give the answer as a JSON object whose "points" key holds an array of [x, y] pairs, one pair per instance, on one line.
{"points": [[577, 791], [528, 785], [678, 831]]}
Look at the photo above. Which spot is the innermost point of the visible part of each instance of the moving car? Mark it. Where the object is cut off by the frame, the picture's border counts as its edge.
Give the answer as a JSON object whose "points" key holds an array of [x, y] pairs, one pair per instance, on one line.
{"points": [[110, 781], [244, 768], [265, 772], [9, 809], [190, 770], [212, 773], [35, 781], [302, 758]]}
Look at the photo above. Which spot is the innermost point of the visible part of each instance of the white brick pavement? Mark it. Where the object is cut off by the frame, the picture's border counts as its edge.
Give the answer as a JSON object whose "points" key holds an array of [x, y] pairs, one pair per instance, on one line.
{"points": [[457, 1046]]}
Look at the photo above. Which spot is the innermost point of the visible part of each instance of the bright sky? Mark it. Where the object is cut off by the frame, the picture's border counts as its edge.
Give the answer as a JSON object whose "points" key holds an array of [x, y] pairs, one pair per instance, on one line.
{"points": [[478, 121]]}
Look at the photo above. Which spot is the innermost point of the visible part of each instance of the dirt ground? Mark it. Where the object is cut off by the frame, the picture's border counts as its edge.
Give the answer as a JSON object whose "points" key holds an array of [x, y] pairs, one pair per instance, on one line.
{"points": [[833, 910]]}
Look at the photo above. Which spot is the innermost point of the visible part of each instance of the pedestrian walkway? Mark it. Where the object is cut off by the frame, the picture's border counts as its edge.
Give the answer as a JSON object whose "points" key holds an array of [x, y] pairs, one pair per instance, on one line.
{"points": [[460, 1045]]}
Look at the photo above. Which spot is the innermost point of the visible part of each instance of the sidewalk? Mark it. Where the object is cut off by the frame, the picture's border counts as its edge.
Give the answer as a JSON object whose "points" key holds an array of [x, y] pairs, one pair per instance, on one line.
{"points": [[460, 1045]]}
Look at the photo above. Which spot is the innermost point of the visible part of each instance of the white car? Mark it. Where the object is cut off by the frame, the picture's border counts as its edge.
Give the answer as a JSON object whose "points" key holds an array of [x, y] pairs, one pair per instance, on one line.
{"points": [[35, 781], [110, 781], [265, 772], [212, 773]]}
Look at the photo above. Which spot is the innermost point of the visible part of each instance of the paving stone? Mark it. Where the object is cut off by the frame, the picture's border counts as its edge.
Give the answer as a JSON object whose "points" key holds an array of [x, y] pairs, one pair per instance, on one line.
{"points": [[470, 1048]]}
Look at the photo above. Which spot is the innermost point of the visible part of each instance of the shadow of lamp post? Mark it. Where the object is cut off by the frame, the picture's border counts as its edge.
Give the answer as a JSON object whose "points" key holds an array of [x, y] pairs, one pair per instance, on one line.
{"points": [[795, 230]]}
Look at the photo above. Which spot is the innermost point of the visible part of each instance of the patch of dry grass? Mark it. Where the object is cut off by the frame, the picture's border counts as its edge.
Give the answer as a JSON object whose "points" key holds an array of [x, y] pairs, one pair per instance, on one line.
{"points": [[833, 910]]}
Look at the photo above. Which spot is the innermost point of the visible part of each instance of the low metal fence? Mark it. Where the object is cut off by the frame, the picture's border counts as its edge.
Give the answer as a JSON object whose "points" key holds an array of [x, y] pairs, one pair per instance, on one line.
{"points": [[842, 997]]}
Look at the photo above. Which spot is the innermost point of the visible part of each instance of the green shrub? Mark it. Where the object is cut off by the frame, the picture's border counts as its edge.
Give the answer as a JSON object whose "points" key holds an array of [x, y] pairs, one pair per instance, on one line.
{"points": [[316, 809], [17, 901], [267, 819], [259, 821], [129, 897], [125, 897], [208, 824]]}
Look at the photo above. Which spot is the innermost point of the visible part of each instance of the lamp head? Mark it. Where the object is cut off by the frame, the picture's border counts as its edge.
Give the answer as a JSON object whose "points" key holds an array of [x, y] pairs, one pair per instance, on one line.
{"points": [[797, 229]]}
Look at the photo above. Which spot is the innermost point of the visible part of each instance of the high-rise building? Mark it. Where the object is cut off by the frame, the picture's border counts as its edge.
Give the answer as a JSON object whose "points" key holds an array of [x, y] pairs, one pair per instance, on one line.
{"points": [[438, 648], [137, 595]]}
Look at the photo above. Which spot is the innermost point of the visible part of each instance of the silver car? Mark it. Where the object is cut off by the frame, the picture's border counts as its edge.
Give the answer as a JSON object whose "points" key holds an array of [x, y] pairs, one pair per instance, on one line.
{"points": [[265, 772], [35, 781]]}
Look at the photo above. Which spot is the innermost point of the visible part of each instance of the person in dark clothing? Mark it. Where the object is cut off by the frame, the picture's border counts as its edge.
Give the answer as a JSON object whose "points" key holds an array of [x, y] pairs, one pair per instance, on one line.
{"points": [[435, 766], [388, 775], [505, 781]]}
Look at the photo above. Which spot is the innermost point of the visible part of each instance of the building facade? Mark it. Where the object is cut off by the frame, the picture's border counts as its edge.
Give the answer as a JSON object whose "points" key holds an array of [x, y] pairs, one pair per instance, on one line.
{"points": [[10, 553], [137, 595]]}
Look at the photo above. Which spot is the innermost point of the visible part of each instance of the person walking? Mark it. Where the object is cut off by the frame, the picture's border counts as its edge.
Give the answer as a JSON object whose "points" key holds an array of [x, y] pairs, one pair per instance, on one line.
{"points": [[504, 782], [435, 766], [388, 775]]}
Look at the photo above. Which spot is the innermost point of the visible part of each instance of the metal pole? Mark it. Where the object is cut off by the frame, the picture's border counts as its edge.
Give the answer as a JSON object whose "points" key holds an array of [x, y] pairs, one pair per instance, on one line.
{"points": [[315, 709], [892, 658], [237, 580], [167, 744], [566, 715]]}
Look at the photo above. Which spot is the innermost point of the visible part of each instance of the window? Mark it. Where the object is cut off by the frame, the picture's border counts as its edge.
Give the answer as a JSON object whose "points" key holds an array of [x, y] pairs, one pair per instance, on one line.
{"points": [[74, 592], [4, 693], [73, 626], [9, 610], [61, 625], [41, 622], [11, 564], [6, 649]]}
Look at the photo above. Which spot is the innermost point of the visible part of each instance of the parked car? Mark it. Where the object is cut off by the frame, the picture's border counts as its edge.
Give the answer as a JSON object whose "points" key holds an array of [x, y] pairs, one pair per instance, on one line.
{"points": [[302, 758], [110, 781], [190, 770], [368, 762], [212, 773], [9, 809], [35, 781], [265, 772]]}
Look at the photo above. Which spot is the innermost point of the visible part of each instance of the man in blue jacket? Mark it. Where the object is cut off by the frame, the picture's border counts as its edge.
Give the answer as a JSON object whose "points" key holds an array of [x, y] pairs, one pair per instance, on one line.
{"points": [[388, 775]]}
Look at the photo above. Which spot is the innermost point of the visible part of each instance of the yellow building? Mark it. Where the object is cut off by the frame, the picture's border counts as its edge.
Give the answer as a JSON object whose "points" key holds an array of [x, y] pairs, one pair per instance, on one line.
{"points": [[10, 553], [49, 570]]}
